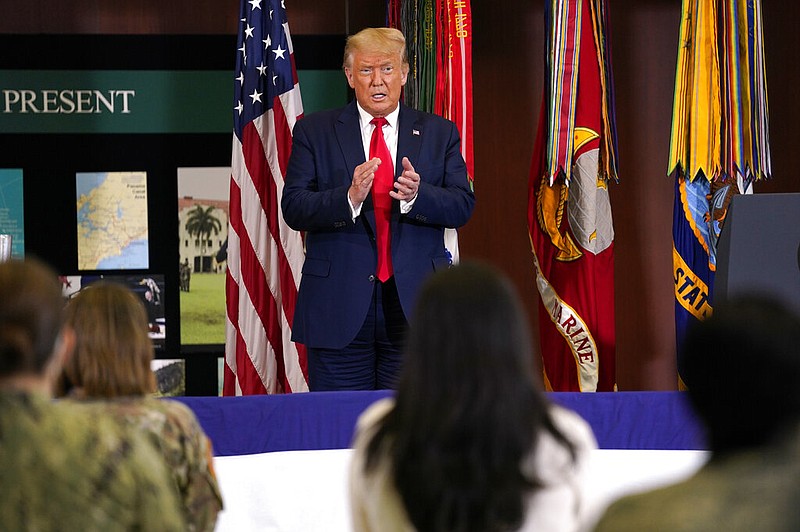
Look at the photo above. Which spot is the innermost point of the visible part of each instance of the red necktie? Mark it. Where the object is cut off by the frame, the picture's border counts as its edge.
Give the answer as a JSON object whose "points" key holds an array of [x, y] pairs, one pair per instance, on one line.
{"points": [[382, 184]]}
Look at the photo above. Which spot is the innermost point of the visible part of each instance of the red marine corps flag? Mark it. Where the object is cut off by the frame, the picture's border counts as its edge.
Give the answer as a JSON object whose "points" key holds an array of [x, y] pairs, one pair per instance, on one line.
{"points": [[569, 218], [264, 255]]}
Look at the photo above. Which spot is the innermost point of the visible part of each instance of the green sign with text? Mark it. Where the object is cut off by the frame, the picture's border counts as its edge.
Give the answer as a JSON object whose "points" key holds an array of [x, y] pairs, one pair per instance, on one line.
{"points": [[140, 101]]}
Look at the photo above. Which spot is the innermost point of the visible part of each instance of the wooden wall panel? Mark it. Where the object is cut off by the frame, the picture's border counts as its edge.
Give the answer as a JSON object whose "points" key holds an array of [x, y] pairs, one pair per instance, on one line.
{"points": [[507, 85], [128, 17], [645, 47], [311, 17]]}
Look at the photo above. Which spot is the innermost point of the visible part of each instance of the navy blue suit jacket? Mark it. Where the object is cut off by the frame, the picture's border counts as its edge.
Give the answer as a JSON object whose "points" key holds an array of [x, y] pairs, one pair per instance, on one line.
{"points": [[341, 255]]}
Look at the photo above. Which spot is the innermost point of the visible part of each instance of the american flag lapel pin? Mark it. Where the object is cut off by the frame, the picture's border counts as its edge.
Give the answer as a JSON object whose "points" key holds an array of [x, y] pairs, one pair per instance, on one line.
{"points": [[415, 132]]}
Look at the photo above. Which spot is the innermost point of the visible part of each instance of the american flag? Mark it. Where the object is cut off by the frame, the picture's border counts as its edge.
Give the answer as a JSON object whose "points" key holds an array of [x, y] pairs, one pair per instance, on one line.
{"points": [[264, 255]]}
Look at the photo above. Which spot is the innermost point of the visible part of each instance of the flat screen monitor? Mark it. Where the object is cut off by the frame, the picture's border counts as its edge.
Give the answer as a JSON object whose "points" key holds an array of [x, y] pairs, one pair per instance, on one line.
{"points": [[759, 249]]}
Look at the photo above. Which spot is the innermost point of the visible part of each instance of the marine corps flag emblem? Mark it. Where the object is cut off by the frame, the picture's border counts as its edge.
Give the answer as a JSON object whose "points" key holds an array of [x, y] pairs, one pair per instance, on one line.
{"points": [[569, 218]]}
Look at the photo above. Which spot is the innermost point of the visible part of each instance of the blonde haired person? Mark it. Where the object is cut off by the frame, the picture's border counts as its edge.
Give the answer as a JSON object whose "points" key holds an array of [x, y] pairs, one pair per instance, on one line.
{"points": [[65, 466], [373, 185], [111, 366], [389, 41]]}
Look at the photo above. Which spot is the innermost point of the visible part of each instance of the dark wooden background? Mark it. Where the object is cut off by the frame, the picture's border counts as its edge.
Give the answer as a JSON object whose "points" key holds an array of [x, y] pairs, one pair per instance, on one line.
{"points": [[507, 70]]}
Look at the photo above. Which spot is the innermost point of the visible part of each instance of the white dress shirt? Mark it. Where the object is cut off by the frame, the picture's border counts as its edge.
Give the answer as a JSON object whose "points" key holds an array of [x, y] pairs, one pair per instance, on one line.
{"points": [[390, 136]]}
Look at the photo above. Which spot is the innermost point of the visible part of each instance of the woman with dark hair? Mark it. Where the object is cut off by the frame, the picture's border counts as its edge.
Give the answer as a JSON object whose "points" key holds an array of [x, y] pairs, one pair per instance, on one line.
{"points": [[111, 368], [65, 466], [469, 442]]}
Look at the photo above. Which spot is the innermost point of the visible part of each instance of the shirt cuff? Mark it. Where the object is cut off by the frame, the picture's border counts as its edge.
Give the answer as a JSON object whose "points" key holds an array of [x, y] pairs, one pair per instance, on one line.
{"points": [[406, 206], [354, 211]]}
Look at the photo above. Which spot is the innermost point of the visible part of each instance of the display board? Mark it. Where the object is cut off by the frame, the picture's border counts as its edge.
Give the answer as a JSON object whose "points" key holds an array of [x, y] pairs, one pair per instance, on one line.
{"points": [[77, 110]]}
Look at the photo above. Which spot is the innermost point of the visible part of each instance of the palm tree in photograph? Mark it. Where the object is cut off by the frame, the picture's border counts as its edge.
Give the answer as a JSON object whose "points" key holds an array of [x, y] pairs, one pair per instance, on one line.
{"points": [[201, 223]]}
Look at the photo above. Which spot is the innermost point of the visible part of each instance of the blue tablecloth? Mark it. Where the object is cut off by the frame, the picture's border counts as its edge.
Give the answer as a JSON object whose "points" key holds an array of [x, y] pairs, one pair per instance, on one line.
{"points": [[325, 420]]}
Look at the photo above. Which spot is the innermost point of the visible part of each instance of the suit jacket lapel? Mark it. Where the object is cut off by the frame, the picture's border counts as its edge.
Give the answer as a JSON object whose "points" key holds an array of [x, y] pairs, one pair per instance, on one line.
{"points": [[409, 143], [348, 134], [409, 138]]}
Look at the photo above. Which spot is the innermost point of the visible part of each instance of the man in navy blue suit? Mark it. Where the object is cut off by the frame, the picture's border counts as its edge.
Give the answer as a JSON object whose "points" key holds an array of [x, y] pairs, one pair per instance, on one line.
{"points": [[374, 208]]}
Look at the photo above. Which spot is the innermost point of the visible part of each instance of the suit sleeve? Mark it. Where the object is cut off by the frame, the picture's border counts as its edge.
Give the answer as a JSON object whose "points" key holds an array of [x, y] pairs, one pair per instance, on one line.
{"points": [[314, 199], [445, 197]]}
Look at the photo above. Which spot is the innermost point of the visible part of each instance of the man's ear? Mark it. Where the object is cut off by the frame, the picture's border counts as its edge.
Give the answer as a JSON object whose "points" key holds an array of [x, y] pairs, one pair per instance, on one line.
{"points": [[349, 75]]}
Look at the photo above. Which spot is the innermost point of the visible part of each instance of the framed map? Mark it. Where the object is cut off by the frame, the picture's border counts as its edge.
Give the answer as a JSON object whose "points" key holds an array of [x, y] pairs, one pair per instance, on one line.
{"points": [[112, 220]]}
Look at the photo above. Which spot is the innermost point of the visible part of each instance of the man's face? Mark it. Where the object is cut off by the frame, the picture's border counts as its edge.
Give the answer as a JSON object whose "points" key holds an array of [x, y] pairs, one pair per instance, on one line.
{"points": [[377, 79]]}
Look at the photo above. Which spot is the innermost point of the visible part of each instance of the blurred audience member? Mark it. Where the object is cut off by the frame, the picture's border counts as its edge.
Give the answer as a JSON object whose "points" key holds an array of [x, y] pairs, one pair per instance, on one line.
{"points": [[742, 372], [65, 466], [112, 366], [470, 443]]}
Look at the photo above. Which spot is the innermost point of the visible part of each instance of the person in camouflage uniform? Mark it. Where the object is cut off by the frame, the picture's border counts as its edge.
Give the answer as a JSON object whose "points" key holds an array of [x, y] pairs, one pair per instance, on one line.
{"points": [[111, 371], [742, 369], [64, 466]]}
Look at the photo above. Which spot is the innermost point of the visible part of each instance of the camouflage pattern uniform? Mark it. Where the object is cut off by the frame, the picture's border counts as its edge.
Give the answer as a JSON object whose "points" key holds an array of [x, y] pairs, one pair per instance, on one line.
{"points": [[745, 491], [186, 449], [64, 467]]}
